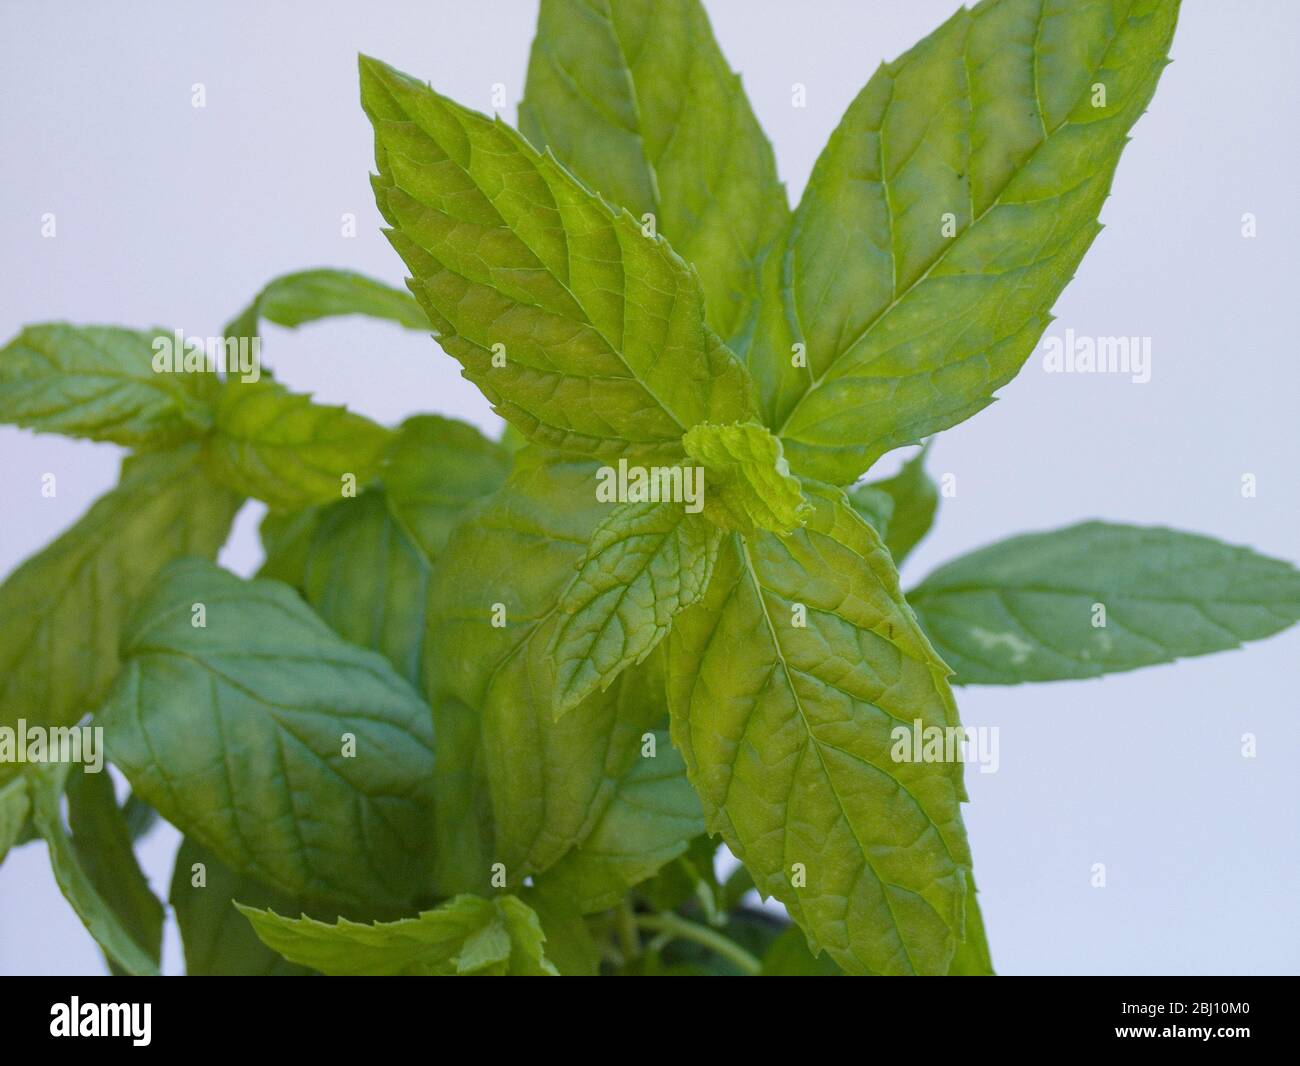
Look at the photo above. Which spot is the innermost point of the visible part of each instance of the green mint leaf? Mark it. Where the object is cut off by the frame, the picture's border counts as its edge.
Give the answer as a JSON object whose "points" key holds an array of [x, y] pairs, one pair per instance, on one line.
{"points": [[582, 330], [785, 685], [47, 783], [99, 382], [287, 538], [140, 817], [651, 820], [1099, 598], [298, 758], [309, 295], [218, 942], [909, 514], [466, 935], [874, 505], [434, 469], [570, 943], [494, 608], [972, 958], [463, 814], [363, 574], [943, 219], [748, 485], [15, 805], [645, 563], [62, 611], [788, 956], [511, 439], [279, 447], [363, 563], [692, 877], [636, 99], [102, 842]]}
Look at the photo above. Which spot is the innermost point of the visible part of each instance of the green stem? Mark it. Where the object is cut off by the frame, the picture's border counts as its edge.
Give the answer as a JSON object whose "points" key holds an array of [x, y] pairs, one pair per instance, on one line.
{"points": [[625, 926], [676, 926]]}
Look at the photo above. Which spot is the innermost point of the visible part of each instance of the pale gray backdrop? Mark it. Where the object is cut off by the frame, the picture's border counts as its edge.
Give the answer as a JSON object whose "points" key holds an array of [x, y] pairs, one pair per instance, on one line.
{"points": [[171, 215]]}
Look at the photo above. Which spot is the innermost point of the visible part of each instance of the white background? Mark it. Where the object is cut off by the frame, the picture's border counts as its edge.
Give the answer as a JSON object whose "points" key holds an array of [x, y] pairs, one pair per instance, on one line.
{"points": [[173, 216]]}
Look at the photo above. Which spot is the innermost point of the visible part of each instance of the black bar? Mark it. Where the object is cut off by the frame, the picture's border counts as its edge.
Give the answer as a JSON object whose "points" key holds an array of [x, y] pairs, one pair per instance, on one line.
{"points": [[336, 1016]]}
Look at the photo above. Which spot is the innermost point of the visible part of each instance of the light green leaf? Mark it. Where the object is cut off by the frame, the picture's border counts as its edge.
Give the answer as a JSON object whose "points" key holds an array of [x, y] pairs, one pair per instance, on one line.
{"points": [[299, 759], [15, 804], [309, 295], [786, 684], [363, 563], [972, 958], [102, 842], [652, 819], [281, 448], [946, 214], [583, 331], [511, 439], [62, 611], [218, 942], [463, 820], [101, 922], [434, 469], [99, 382], [788, 956], [287, 542], [364, 575], [874, 505], [913, 499], [1031, 608], [646, 562], [467, 935], [494, 607], [636, 99], [748, 481], [570, 943]]}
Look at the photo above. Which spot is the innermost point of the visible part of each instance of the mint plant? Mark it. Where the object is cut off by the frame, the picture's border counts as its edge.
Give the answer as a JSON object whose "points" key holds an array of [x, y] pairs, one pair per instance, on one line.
{"points": [[492, 706]]}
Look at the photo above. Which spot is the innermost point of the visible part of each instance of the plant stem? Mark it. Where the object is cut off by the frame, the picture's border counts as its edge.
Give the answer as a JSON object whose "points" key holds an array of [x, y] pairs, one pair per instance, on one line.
{"points": [[625, 926], [676, 926]]}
